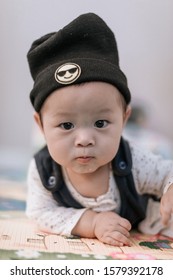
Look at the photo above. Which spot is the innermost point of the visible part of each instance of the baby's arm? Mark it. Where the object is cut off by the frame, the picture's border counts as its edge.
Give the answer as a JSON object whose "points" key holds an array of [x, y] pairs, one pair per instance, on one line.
{"points": [[154, 175], [108, 227], [166, 205]]}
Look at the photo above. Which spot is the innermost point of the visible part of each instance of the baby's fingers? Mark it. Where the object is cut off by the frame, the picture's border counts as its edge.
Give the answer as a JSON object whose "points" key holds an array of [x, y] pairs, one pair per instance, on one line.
{"points": [[111, 241], [125, 224], [165, 212], [166, 206], [166, 216], [117, 239]]}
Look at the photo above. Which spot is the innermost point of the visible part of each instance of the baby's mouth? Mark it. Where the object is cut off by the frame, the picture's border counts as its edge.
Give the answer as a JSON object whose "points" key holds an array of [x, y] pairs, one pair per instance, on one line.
{"points": [[84, 159]]}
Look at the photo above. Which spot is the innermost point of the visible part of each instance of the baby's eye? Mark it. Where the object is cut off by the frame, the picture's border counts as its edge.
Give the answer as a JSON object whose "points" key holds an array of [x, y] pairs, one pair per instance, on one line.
{"points": [[101, 123], [66, 125]]}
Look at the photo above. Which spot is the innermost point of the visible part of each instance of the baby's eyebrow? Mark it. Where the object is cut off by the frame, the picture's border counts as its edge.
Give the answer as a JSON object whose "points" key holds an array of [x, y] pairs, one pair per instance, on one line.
{"points": [[71, 114], [104, 110], [63, 114]]}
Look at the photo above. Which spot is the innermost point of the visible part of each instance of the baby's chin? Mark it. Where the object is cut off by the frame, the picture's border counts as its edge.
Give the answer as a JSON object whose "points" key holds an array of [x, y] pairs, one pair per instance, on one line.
{"points": [[85, 169]]}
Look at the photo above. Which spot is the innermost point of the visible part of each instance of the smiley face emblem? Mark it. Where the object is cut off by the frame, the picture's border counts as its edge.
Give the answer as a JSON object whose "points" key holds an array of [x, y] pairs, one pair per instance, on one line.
{"points": [[67, 73]]}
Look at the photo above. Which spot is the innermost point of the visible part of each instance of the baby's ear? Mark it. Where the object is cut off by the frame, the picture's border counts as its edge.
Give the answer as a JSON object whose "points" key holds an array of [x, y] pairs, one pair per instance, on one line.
{"points": [[38, 120], [127, 114]]}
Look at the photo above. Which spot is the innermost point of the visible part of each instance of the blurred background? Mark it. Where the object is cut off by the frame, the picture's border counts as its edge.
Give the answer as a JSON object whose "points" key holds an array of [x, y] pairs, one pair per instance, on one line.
{"points": [[144, 33]]}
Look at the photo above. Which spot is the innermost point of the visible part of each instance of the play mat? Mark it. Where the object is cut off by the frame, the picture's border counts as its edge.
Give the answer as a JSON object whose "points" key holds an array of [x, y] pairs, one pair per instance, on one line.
{"points": [[20, 239]]}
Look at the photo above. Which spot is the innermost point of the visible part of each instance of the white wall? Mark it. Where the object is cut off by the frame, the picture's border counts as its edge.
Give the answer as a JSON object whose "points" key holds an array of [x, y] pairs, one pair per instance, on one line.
{"points": [[144, 32]]}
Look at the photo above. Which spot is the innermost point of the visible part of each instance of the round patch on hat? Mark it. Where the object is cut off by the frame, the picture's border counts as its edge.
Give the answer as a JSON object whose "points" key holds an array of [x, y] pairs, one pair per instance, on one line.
{"points": [[67, 73]]}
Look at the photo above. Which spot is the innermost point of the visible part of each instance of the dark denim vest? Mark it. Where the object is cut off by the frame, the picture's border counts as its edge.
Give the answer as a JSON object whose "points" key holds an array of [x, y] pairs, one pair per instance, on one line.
{"points": [[133, 205]]}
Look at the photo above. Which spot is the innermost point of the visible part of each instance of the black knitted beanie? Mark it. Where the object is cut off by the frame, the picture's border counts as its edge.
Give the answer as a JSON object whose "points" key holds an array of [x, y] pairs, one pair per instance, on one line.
{"points": [[85, 50]]}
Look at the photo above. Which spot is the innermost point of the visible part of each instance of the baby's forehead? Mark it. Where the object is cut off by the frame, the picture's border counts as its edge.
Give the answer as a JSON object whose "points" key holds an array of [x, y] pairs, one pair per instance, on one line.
{"points": [[94, 93], [118, 95]]}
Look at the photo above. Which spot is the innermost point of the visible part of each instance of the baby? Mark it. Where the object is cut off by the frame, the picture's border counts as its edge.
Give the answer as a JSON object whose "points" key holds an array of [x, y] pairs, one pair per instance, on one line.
{"points": [[89, 181]]}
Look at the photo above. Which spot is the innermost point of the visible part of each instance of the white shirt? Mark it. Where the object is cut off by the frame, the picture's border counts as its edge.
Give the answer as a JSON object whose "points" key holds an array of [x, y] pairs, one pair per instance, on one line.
{"points": [[151, 173]]}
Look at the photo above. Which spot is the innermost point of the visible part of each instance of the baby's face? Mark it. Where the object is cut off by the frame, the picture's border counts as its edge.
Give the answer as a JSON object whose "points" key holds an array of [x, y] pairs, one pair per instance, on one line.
{"points": [[82, 125]]}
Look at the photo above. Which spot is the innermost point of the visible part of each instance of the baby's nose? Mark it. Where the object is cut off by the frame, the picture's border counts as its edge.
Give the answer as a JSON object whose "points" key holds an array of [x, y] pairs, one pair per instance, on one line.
{"points": [[84, 139]]}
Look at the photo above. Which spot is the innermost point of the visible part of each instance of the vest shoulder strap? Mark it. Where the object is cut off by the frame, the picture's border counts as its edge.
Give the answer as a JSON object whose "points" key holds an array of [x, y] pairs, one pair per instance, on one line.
{"points": [[52, 179], [133, 205]]}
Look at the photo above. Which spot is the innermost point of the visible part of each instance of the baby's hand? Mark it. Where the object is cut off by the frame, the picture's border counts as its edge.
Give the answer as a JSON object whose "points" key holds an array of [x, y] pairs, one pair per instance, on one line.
{"points": [[166, 205], [110, 228]]}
